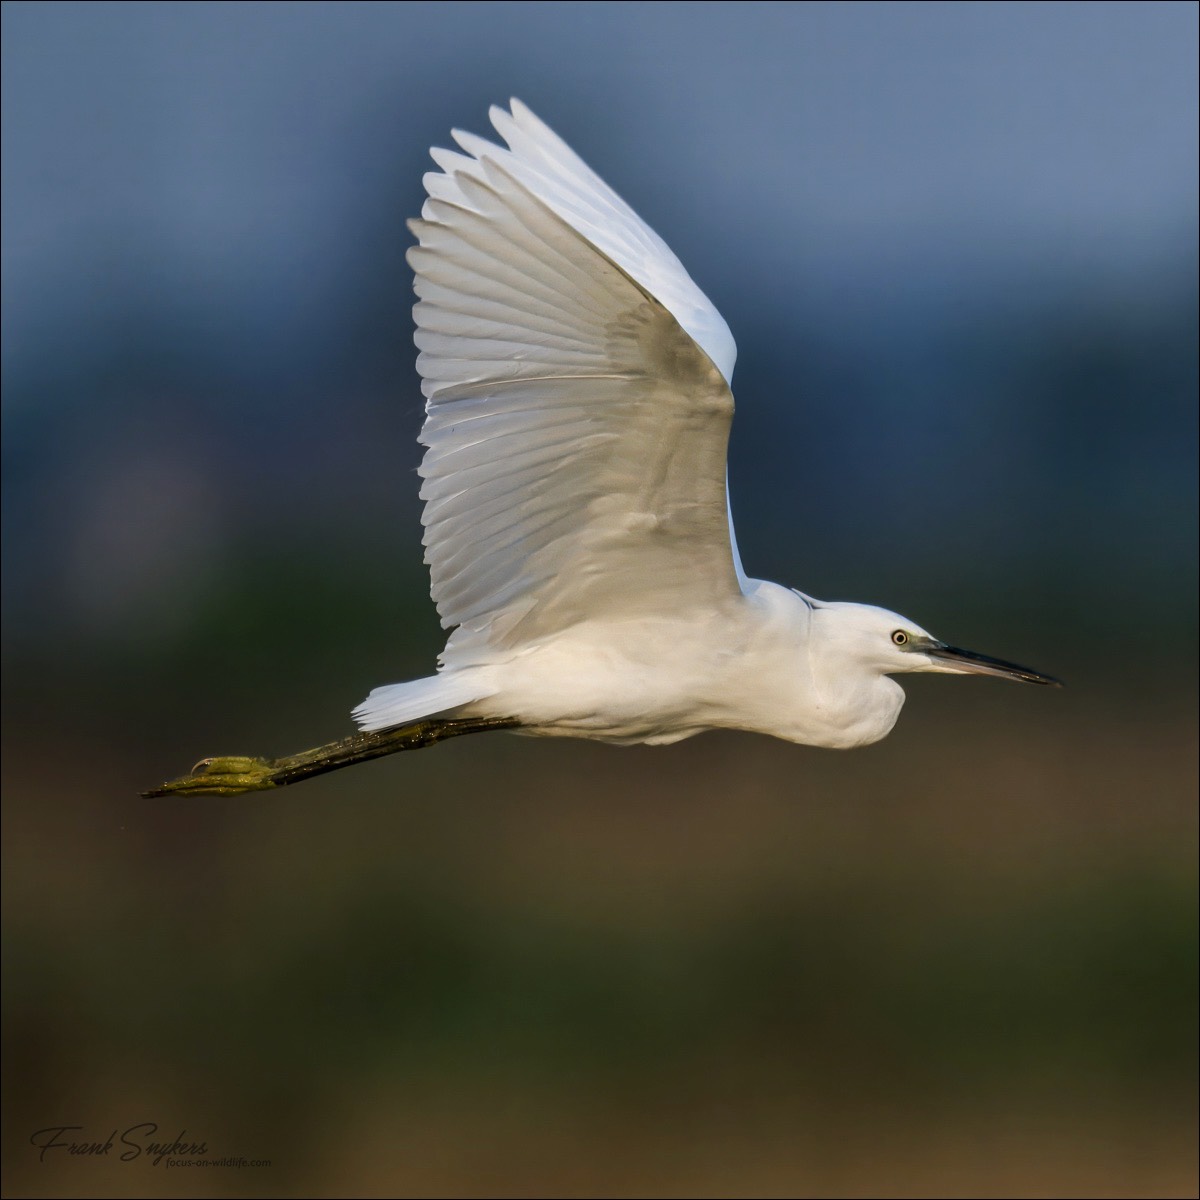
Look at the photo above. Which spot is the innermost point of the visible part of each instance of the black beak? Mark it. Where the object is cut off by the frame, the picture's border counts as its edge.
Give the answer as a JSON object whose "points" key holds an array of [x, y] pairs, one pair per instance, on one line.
{"points": [[968, 662]]}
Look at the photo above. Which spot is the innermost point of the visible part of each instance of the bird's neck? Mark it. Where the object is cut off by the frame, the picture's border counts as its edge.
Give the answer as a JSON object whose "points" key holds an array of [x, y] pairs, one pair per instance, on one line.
{"points": [[852, 699], [820, 695], [857, 708]]}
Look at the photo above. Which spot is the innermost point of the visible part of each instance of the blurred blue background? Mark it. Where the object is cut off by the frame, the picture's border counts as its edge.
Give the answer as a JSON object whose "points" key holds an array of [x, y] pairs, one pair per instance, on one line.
{"points": [[957, 246]]}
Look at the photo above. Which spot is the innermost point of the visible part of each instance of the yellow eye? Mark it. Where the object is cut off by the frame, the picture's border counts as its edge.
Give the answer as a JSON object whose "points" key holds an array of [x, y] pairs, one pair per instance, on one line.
{"points": [[900, 637]]}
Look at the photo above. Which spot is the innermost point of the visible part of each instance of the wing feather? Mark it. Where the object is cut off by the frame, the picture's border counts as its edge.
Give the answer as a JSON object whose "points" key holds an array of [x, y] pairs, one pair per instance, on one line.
{"points": [[578, 405]]}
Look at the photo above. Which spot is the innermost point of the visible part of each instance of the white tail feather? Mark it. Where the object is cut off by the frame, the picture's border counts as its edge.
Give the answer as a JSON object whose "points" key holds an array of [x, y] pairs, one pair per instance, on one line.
{"points": [[402, 703]]}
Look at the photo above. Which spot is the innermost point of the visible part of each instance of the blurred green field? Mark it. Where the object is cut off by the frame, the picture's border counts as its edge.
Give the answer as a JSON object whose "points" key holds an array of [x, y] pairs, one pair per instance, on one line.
{"points": [[962, 962]]}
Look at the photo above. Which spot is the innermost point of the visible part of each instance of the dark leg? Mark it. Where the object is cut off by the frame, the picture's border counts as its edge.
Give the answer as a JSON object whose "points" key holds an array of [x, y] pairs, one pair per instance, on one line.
{"points": [[233, 775]]}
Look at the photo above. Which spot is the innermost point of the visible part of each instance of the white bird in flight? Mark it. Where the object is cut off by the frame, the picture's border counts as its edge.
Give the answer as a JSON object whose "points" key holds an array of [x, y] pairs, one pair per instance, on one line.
{"points": [[577, 525]]}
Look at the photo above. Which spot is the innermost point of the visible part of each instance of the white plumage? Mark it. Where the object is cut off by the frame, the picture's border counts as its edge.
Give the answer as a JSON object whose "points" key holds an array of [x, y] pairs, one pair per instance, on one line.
{"points": [[577, 525]]}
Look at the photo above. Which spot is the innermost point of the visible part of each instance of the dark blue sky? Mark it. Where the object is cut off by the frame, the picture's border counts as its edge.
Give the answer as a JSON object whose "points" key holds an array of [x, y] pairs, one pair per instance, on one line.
{"points": [[955, 242], [238, 146]]}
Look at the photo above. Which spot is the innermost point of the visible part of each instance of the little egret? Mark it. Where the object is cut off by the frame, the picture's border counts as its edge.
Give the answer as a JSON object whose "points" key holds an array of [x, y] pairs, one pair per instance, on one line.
{"points": [[577, 522]]}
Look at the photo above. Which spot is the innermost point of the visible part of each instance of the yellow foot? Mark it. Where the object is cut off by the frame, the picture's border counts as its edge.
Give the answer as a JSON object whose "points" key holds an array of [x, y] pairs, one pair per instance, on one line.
{"points": [[226, 775]]}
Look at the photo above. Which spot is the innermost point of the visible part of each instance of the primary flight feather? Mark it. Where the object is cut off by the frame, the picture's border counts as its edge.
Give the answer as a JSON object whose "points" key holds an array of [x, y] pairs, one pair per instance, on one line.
{"points": [[577, 525]]}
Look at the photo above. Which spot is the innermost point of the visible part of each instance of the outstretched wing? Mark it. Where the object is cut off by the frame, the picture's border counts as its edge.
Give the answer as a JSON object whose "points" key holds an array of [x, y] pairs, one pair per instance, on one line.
{"points": [[578, 404]]}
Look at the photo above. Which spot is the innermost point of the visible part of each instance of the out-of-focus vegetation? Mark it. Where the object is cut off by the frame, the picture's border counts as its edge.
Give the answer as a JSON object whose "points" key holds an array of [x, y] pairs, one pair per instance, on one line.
{"points": [[962, 960]]}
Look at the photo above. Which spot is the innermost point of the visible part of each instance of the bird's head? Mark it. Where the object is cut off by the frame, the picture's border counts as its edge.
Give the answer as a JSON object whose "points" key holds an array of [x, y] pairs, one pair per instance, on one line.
{"points": [[890, 644]]}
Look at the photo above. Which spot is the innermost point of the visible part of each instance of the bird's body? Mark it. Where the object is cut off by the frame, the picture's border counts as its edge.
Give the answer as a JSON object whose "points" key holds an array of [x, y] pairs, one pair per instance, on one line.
{"points": [[577, 521], [659, 679]]}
